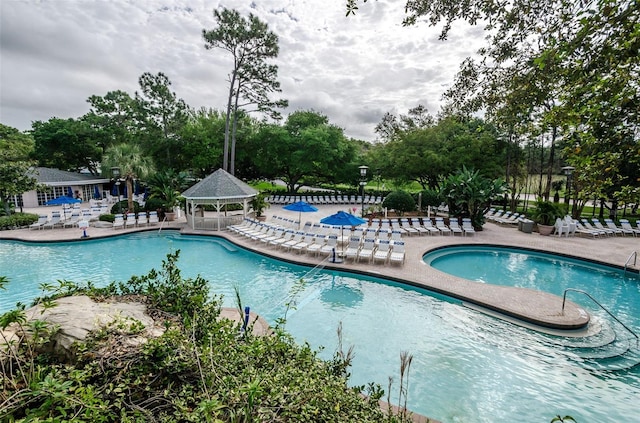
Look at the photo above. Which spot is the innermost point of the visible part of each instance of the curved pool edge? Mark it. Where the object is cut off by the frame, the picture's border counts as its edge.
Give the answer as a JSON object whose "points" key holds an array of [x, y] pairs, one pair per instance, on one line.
{"points": [[533, 307], [536, 308]]}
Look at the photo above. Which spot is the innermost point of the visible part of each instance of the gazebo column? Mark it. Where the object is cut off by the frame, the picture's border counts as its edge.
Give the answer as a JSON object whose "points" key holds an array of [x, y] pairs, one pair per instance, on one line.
{"points": [[218, 213]]}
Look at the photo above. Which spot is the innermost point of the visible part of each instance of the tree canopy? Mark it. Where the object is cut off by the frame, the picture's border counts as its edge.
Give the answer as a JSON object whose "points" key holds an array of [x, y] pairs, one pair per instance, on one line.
{"points": [[15, 164], [252, 79]]}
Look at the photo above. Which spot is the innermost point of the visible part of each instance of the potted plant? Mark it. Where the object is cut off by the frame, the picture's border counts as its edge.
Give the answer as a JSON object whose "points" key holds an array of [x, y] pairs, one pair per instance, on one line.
{"points": [[258, 204], [545, 215], [170, 200]]}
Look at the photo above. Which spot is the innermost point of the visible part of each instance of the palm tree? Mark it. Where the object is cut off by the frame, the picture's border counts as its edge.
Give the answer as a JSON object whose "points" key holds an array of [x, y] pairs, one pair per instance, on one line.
{"points": [[132, 164]]}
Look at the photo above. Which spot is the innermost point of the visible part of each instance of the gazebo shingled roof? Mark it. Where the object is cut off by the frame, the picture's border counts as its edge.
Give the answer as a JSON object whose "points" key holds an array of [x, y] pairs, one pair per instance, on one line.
{"points": [[219, 188], [220, 185]]}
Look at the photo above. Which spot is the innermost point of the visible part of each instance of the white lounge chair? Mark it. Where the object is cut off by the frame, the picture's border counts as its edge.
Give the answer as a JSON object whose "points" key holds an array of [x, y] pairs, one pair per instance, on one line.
{"points": [[382, 252], [397, 254], [118, 221], [626, 226], [366, 251], [589, 226], [611, 225], [142, 219], [153, 218], [409, 229], [609, 231], [277, 233], [130, 220], [330, 246], [302, 245], [288, 234], [56, 220], [266, 232], [353, 248], [428, 225], [467, 226], [580, 229], [72, 221], [42, 219], [444, 229], [317, 244], [297, 237], [455, 227]]}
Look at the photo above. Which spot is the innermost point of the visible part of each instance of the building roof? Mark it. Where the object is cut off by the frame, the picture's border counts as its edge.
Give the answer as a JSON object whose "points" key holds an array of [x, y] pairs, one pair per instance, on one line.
{"points": [[220, 185], [55, 177]]}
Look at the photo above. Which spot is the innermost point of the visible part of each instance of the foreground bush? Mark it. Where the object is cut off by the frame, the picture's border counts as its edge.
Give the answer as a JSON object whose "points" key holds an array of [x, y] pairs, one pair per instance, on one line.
{"points": [[201, 369], [17, 220]]}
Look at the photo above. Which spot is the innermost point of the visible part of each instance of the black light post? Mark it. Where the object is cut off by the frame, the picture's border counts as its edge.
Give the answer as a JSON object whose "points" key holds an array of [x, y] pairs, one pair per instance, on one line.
{"points": [[363, 182], [115, 177]]}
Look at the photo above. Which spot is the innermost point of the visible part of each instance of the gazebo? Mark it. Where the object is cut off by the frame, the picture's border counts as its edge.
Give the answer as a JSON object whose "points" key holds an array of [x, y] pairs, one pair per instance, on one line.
{"points": [[218, 189]]}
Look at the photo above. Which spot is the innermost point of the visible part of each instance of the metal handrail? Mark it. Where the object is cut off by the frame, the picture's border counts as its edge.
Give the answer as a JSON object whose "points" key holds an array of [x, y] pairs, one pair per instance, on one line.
{"points": [[291, 297], [626, 263], [564, 298]]}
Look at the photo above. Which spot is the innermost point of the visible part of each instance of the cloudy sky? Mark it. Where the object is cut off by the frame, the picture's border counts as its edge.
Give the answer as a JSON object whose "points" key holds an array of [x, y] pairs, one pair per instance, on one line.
{"points": [[54, 54]]}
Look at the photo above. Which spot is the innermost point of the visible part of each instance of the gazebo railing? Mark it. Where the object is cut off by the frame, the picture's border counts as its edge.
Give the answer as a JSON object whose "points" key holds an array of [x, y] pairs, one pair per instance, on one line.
{"points": [[210, 223]]}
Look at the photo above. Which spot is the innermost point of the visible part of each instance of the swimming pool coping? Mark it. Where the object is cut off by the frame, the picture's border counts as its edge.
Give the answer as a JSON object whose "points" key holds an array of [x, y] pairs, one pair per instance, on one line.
{"points": [[534, 307]]}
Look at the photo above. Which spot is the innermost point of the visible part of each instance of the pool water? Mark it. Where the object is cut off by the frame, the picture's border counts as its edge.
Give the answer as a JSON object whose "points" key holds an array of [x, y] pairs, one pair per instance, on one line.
{"points": [[467, 367], [618, 291]]}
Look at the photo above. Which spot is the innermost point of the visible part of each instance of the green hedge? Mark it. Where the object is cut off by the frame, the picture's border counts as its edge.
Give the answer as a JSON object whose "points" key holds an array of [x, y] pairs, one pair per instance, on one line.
{"points": [[17, 220]]}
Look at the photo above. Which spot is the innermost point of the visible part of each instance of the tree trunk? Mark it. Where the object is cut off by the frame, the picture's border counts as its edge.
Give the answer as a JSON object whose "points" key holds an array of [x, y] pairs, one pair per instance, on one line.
{"points": [[233, 134], [225, 153], [552, 154], [129, 183]]}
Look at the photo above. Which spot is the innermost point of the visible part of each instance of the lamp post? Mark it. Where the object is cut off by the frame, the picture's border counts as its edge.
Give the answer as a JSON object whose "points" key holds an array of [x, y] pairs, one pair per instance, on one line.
{"points": [[568, 170], [363, 182], [115, 174]]}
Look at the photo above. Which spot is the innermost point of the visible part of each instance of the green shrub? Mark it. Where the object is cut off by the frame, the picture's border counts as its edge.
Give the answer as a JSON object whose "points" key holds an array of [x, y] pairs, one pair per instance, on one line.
{"points": [[123, 205], [107, 218], [17, 220], [153, 204], [400, 201]]}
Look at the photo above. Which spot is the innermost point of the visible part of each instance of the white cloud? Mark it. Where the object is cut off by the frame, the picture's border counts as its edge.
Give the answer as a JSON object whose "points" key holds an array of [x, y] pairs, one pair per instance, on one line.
{"points": [[55, 54]]}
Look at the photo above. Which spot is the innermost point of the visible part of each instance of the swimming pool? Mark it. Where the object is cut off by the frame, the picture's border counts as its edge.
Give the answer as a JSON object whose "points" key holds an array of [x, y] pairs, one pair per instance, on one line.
{"points": [[467, 367]]}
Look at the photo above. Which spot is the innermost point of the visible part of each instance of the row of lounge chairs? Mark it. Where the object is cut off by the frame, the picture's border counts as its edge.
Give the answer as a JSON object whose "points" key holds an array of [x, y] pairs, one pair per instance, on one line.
{"points": [[317, 239], [325, 199], [424, 225], [503, 218], [568, 226], [67, 219], [132, 220], [595, 228]]}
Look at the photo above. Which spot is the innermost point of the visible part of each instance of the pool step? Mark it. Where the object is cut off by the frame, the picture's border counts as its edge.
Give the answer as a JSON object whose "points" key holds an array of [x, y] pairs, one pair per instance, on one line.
{"points": [[621, 353], [623, 362]]}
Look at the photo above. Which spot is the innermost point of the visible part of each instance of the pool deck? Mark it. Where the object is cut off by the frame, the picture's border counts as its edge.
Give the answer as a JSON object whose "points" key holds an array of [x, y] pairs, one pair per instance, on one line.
{"points": [[526, 305]]}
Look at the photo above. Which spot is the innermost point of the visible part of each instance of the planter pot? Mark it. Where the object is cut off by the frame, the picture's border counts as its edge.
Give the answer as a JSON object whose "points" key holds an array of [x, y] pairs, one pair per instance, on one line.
{"points": [[171, 216], [545, 230]]}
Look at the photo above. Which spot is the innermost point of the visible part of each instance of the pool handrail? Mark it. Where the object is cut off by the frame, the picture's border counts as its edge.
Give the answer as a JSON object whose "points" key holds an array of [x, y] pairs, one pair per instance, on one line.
{"points": [[633, 255], [564, 298]]}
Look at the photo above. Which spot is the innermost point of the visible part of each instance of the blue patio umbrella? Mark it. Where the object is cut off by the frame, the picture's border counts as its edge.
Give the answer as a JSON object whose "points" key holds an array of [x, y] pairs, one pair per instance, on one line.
{"points": [[69, 192], [96, 192], [300, 207], [114, 191], [137, 190], [65, 199], [342, 219]]}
